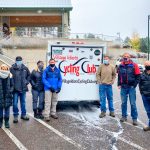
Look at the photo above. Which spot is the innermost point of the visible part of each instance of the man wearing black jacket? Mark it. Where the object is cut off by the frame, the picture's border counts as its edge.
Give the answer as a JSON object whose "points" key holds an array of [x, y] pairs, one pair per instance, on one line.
{"points": [[38, 90], [144, 86], [21, 78]]}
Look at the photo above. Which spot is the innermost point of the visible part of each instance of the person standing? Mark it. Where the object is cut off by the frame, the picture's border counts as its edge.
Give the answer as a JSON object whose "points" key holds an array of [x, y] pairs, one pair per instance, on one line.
{"points": [[128, 78], [106, 75], [6, 89], [21, 78], [38, 90], [52, 84], [144, 87], [6, 30]]}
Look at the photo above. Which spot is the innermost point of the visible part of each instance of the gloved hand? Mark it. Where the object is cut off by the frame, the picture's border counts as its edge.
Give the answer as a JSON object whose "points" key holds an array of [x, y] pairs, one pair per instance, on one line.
{"points": [[58, 90], [52, 90]]}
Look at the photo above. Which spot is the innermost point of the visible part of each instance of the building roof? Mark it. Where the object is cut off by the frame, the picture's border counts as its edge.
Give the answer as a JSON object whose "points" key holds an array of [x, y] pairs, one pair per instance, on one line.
{"points": [[17, 4]]}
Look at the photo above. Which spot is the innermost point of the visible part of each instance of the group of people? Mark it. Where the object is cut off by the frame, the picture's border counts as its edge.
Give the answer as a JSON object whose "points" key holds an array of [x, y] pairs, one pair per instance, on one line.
{"points": [[46, 84], [129, 77]]}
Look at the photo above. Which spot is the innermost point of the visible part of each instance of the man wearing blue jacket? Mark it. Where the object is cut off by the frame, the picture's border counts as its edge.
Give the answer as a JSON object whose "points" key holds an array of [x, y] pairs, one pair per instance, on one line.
{"points": [[52, 84]]}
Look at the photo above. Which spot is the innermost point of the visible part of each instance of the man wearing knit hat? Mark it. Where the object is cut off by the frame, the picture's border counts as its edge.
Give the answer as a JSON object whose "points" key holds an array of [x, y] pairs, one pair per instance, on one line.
{"points": [[21, 78]]}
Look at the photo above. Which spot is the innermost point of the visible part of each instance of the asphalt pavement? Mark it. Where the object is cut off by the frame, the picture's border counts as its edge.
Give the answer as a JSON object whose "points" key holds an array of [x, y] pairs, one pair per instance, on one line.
{"points": [[78, 127]]}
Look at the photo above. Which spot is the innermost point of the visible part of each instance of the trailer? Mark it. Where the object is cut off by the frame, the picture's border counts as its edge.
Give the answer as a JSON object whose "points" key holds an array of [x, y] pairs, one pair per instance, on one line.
{"points": [[78, 63]]}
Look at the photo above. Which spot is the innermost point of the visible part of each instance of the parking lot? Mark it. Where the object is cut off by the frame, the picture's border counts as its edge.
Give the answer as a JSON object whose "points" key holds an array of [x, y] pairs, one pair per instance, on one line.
{"points": [[78, 127]]}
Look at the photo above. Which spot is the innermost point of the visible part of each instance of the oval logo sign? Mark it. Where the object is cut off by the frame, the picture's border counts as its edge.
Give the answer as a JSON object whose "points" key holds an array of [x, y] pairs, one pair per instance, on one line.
{"points": [[97, 52]]}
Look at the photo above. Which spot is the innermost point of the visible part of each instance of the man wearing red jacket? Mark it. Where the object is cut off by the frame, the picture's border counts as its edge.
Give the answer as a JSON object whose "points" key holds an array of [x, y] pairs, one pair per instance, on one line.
{"points": [[128, 78]]}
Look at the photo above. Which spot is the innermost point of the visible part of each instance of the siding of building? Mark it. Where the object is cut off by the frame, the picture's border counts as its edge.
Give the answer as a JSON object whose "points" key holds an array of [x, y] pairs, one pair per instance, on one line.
{"points": [[35, 4]]}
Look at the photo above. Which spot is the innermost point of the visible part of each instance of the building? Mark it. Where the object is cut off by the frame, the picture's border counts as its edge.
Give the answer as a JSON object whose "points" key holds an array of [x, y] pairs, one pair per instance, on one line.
{"points": [[54, 14]]}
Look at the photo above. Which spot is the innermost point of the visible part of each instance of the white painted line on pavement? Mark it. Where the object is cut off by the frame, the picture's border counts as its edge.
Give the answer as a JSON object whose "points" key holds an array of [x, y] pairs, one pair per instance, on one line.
{"points": [[120, 138], [132, 125], [131, 143], [139, 121], [58, 132], [129, 123], [15, 140], [143, 124], [111, 133], [126, 141]]}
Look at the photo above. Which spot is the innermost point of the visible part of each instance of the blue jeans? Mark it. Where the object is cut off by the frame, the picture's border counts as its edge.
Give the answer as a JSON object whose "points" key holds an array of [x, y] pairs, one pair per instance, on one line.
{"points": [[38, 99], [132, 97], [146, 102], [106, 91], [22, 96], [6, 112]]}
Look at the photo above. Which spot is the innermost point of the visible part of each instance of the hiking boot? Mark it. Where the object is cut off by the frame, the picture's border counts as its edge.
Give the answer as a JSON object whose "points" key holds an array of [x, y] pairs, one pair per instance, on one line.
{"points": [[123, 119], [35, 114], [112, 114], [54, 116], [40, 114], [146, 128], [7, 123], [15, 120], [1, 122], [135, 123], [25, 118], [103, 114], [47, 119]]}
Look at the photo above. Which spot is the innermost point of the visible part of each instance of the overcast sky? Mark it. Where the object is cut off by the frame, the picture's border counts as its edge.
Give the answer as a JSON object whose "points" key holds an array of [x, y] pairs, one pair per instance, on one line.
{"points": [[110, 16]]}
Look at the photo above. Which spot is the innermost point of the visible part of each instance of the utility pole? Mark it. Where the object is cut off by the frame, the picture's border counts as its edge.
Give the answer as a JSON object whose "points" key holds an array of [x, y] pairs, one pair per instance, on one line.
{"points": [[148, 36]]}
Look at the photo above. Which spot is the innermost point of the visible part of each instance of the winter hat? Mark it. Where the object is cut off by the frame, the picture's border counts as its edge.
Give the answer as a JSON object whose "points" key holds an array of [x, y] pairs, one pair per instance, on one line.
{"points": [[147, 63], [4, 71], [39, 62], [18, 58], [4, 67]]}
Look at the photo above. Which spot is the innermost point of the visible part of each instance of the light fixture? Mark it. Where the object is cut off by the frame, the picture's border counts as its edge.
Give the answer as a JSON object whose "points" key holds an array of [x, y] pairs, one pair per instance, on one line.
{"points": [[39, 11]]}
